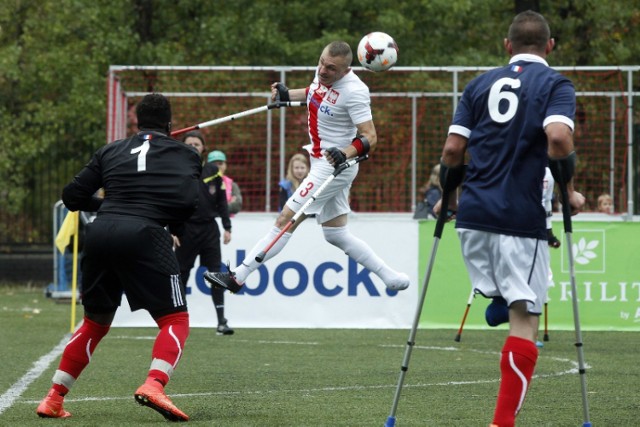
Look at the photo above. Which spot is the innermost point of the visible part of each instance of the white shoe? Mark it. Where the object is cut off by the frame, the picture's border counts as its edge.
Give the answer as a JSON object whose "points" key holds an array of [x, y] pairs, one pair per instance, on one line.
{"points": [[400, 283]]}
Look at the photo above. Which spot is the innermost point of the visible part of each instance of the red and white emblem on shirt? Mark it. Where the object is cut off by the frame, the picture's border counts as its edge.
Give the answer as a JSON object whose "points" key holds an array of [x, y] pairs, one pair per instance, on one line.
{"points": [[320, 91], [332, 97]]}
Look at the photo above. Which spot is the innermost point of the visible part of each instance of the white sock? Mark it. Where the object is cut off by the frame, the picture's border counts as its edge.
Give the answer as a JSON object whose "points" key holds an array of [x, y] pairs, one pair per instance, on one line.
{"points": [[249, 264], [359, 251]]}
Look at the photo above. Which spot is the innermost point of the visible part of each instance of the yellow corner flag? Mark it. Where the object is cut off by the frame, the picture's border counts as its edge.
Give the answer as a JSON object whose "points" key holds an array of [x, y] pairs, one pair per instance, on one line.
{"points": [[67, 230]]}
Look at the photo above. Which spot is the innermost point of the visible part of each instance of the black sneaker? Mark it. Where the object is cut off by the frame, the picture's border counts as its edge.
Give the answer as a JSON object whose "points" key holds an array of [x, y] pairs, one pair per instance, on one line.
{"points": [[224, 329], [223, 281]]}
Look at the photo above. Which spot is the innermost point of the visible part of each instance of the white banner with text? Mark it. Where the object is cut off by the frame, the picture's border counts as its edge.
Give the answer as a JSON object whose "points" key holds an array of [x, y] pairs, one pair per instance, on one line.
{"points": [[311, 283]]}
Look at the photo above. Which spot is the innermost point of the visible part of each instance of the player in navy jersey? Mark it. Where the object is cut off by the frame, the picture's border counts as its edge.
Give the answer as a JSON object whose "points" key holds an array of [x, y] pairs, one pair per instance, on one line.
{"points": [[511, 121], [340, 127], [150, 183]]}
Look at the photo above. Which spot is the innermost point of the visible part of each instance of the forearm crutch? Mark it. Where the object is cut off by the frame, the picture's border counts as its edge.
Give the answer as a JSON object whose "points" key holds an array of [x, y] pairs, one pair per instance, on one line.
{"points": [[437, 234], [231, 117], [330, 178], [546, 322], [566, 216], [464, 318]]}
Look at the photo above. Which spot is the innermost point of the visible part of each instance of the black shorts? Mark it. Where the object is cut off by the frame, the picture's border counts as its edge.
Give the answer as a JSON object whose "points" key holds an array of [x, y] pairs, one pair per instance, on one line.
{"points": [[134, 256], [199, 238]]}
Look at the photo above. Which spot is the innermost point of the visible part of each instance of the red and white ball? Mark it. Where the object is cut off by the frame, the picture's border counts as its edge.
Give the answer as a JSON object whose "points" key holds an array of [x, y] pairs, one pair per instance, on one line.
{"points": [[377, 51]]}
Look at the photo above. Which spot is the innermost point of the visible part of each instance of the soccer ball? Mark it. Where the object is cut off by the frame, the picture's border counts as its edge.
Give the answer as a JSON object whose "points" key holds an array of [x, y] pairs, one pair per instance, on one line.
{"points": [[377, 51]]}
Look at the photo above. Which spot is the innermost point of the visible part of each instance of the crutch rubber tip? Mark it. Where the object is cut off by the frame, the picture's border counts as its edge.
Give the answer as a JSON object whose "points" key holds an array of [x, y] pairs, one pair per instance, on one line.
{"points": [[457, 338], [391, 421], [260, 256], [546, 337]]}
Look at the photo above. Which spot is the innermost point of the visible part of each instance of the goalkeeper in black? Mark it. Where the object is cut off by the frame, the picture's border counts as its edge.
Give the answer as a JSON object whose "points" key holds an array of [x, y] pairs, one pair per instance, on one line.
{"points": [[150, 182]]}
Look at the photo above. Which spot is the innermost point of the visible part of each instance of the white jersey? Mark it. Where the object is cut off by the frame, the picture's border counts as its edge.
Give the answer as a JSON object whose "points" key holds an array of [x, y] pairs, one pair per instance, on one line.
{"points": [[335, 111]]}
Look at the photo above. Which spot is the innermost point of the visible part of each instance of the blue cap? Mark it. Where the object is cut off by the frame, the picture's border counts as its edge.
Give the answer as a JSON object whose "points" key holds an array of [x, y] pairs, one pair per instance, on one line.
{"points": [[216, 156]]}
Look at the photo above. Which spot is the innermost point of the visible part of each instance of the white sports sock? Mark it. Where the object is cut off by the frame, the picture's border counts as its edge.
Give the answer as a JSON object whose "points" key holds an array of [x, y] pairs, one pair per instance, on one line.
{"points": [[357, 249], [249, 264]]}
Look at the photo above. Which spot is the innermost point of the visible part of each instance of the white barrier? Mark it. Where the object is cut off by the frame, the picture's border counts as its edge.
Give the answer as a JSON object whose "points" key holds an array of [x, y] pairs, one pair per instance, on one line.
{"points": [[310, 284]]}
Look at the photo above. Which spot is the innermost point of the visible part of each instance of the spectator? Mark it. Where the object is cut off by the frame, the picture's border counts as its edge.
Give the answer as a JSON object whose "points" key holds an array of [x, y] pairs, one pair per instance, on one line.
{"points": [[201, 234], [431, 193], [605, 203], [297, 170], [512, 120], [234, 196], [150, 182]]}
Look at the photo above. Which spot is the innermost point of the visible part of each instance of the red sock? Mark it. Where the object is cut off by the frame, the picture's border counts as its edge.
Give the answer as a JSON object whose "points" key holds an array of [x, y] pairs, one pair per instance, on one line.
{"points": [[168, 347], [77, 353], [517, 364]]}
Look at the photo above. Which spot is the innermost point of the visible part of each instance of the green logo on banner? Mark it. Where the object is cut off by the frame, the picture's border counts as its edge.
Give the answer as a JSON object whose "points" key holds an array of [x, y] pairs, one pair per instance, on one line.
{"points": [[588, 252]]}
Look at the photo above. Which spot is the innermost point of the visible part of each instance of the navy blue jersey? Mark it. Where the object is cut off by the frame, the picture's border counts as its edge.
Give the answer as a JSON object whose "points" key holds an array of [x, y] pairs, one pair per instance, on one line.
{"points": [[503, 114]]}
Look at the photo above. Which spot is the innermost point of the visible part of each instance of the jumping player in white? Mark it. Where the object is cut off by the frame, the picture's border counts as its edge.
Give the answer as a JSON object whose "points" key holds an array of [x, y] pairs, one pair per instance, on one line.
{"points": [[513, 121], [340, 128]]}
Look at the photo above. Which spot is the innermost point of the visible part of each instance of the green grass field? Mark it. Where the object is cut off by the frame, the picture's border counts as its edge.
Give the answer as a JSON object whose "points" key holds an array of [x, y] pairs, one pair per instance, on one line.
{"points": [[309, 377]]}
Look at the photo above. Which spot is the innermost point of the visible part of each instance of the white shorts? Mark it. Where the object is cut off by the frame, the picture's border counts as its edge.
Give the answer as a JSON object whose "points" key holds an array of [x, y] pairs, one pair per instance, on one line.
{"points": [[516, 268], [334, 199]]}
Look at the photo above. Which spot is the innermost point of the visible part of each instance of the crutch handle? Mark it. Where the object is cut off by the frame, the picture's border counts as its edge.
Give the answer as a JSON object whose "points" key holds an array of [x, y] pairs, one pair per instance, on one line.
{"points": [[347, 164], [442, 216]]}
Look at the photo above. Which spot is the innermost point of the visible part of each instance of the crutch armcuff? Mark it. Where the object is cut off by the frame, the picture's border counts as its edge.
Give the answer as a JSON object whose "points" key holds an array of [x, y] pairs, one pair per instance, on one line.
{"points": [[361, 144], [451, 177], [562, 169], [283, 92]]}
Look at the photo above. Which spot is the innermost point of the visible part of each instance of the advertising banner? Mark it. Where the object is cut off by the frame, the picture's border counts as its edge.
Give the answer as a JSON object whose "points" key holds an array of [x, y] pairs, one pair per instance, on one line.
{"points": [[311, 283], [607, 274]]}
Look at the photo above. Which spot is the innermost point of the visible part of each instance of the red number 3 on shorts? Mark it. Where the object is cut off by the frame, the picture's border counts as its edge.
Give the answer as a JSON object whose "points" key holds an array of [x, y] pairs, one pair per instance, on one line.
{"points": [[305, 190]]}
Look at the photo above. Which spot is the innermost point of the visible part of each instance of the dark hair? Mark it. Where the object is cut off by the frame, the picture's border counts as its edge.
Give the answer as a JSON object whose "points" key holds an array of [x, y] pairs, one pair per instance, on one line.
{"points": [[154, 112], [194, 134], [529, 31]]}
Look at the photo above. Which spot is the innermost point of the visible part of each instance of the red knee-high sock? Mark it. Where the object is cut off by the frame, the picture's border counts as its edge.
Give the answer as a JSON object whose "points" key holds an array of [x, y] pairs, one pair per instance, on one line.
{"points": [[517, 364], [77, 354], [168, 347]]}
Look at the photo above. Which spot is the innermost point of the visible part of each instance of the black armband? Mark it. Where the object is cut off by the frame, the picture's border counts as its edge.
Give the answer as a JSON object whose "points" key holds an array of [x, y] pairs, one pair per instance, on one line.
{"points": [[283, 92], [451, 178], [562, 169], [361, 144]]}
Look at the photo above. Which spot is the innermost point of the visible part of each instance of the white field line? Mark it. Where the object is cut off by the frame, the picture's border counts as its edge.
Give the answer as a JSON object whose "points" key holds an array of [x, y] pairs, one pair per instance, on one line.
{"points": [[16, 390], [125, 337]]}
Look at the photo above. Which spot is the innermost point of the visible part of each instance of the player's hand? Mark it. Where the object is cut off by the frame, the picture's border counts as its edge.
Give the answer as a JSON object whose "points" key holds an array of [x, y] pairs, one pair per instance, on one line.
{"points": [[226, 238], [279, 92], [335, 156], [552, 239], [176, 241], [576, 201], [451, 209]]}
